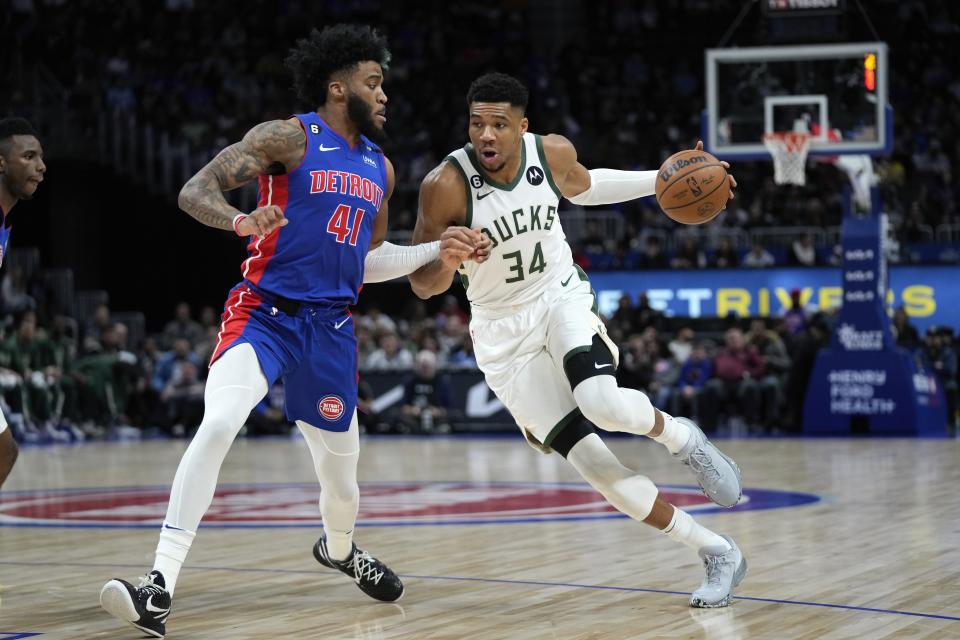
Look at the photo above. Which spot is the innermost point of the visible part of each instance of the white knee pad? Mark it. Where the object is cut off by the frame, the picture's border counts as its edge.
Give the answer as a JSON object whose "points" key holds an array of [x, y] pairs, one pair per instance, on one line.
{"points": [[628, 491], [610, 407]]}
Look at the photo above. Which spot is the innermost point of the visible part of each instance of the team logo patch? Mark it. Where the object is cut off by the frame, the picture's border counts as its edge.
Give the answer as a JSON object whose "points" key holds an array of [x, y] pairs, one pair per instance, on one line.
{"points": [[535, 175], [330, 408], [476, 181], [382, 504]]}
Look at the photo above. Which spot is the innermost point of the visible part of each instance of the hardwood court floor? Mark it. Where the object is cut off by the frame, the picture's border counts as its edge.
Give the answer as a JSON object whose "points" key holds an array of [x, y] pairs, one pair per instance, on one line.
{"points": [[877, 557]]}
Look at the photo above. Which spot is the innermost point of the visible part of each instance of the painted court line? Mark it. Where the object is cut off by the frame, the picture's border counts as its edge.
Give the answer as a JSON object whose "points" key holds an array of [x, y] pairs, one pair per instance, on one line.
{"points": [[496, 581]]}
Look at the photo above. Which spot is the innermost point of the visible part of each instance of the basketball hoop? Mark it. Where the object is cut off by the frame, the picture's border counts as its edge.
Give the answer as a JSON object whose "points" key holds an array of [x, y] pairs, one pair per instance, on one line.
{"points": [[789, 150]]}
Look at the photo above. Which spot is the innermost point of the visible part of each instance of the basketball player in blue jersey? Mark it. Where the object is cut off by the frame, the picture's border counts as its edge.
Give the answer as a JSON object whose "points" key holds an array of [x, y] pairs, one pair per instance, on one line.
{"points": [[316, 236], [21, 172], [534, 319]]}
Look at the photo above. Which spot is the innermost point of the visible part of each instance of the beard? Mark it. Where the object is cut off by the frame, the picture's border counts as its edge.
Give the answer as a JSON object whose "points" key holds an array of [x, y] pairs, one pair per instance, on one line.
{"points": [[17, 191], [361, 115]]}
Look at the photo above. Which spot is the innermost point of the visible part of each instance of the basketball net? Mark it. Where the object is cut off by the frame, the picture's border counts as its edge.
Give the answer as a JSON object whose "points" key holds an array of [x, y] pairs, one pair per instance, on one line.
{"points": [[789, 150]]}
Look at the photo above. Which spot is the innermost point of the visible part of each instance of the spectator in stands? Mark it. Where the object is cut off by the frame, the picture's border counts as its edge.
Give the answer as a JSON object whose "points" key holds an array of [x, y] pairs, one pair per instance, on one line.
{"points": [[451, 309], [426, 398], [725, 257], [182, 399], [463, 357], [13, 292], [682, 345], [806, 345], [802, 252], [689, 255], [209, 318], [380, 322], [776, 364], [30, 354], [758, 257], [653, 256], [94, 328], [694, 373], [390, 356], [166, 368], [624, 316], [636, 364], [737, 369], [938, 356], [182, 327], [646, 316], [452, 334], [795, 318], [906, 333]]}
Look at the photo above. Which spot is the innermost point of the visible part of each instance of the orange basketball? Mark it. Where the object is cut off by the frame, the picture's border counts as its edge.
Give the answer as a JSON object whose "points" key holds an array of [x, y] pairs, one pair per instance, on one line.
{"points": [[692, 187]]}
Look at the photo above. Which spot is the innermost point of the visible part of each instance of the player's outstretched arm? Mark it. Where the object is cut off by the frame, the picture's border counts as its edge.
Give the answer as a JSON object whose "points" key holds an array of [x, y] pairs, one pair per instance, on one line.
{"points": [[598, 186], [268, 148], [440, 215]]}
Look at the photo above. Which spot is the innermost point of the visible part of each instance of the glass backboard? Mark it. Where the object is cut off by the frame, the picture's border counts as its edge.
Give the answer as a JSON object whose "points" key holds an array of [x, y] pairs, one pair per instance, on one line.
{"points": [[835, 92]]}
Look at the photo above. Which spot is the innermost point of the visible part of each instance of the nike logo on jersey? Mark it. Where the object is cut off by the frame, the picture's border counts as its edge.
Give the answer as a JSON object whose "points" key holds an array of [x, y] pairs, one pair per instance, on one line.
{"points": [[564, 283], [323, 148], [597, 365], [337, 325], [481, 196], [155, 610]]}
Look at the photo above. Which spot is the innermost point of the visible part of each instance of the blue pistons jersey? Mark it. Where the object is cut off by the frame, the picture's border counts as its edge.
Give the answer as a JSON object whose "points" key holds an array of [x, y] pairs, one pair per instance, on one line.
{"points": [[4, 236], [298, 281], [330, 202]]}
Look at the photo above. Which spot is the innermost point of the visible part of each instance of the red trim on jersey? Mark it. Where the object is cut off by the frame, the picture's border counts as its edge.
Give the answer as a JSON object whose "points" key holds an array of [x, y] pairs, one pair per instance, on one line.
{"points": [[236, 313], [273, 191]]}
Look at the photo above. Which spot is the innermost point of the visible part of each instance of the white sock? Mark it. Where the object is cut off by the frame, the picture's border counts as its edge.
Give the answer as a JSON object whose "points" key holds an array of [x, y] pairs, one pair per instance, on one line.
{"points": [[339, 543], [171, 553], [685, 529], [675, 434]]}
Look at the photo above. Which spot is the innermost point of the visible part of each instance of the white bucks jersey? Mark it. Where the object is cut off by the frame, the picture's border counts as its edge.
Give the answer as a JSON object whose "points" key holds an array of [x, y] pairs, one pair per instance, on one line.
{"points": [[529, 249]]}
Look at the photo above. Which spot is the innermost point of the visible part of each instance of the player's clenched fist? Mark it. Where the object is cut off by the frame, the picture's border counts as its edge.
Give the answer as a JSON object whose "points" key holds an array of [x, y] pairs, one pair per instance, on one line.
{"points": [[261, 221], [458, 244]]}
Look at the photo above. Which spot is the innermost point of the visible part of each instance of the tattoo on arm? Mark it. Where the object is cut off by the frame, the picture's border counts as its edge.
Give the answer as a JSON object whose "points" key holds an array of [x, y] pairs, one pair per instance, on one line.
{"points": [[266, 149]]}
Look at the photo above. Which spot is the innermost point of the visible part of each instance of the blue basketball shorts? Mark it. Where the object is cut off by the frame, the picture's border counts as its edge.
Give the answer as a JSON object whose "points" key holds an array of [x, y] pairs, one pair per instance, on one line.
{"points": [[314, 351]]}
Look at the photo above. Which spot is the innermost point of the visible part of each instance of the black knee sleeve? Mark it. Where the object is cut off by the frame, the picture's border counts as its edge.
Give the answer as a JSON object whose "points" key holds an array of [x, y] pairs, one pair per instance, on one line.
{"points": [[587, 362], [573, 433]]}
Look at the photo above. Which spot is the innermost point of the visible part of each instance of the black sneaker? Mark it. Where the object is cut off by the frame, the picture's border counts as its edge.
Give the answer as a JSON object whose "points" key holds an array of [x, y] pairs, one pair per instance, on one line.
{"points": [[145, 607], [372, 576]]}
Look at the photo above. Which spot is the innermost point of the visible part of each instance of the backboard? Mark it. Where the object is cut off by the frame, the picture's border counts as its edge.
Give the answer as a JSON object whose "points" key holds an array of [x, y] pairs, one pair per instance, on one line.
{"points": [[837, 92]]}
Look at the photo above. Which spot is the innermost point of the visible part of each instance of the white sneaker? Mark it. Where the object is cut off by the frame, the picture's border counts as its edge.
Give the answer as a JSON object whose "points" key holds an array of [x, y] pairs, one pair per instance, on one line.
{"points": [[717, 475], [725, 570]]}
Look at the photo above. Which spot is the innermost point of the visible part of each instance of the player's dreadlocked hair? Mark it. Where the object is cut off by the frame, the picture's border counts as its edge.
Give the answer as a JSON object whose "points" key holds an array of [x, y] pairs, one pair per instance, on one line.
{"points": [[498, 87], [323, 53]]}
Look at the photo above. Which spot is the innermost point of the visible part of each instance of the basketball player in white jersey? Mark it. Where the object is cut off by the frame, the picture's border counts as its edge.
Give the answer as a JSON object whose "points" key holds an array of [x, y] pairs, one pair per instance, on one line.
{"points": [[538, 339], [21, 172]]}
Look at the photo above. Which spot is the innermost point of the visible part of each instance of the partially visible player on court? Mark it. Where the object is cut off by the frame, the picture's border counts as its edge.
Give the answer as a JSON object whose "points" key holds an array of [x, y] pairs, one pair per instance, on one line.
{"points": [[537, 336], [316, 236], [21, 172]]}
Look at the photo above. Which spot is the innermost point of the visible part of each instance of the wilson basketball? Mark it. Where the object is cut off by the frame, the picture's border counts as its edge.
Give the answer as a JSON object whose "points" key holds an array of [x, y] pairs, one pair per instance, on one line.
{"points": [[692, 187]]}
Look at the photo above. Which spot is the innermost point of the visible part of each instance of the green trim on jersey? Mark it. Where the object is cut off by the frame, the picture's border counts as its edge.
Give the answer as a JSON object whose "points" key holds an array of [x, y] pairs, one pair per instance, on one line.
{"points": [[490, 181], [574, 352], [563, 424], [466, 185], [546, 167], [464, 280], [584, 278]]}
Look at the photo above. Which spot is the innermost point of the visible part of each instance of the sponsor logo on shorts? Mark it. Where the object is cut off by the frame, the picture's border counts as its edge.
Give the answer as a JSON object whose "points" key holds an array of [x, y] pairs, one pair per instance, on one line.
{"points": [[330, 408]]}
